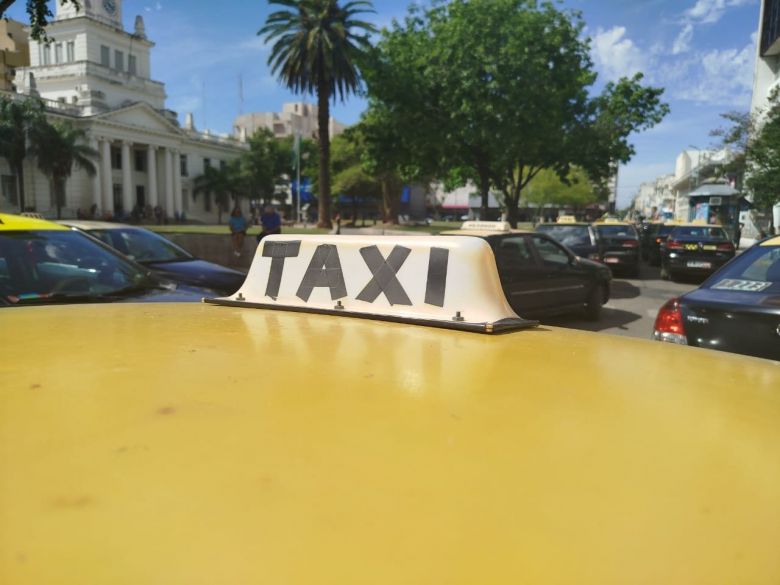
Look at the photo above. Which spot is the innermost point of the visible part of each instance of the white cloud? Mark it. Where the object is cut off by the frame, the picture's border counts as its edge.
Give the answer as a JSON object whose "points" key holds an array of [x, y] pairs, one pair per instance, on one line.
{"points": [[710, 11], [615, 54], [682, 43]]}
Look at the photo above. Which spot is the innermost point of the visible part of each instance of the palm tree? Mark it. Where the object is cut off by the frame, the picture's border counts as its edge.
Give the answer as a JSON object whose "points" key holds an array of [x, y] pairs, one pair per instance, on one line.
{"points": [[216, 181], [316, 44], [18, 121], [59, 147]]}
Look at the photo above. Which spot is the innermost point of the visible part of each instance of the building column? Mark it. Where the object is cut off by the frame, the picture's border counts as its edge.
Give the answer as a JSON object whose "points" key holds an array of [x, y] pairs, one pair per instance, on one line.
{"points": [[177, 196], [151, 175], [97, 198], [169, 199], [105, 176], [128, 197]]}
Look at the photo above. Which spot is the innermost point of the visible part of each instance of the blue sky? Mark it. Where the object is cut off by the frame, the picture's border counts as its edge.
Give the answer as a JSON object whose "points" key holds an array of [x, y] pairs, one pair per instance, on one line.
{"points": [[701, 51]]}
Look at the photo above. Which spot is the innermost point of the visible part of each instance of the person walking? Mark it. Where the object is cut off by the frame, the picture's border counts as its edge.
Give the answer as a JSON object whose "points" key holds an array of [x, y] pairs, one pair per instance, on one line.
{"points": [[271, 222], [238, 228]]}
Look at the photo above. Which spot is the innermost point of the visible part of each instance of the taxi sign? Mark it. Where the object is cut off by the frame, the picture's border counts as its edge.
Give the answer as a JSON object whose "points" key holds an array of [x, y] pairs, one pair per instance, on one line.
{"points": [[566, 219], [487, 226], [441, 281]]}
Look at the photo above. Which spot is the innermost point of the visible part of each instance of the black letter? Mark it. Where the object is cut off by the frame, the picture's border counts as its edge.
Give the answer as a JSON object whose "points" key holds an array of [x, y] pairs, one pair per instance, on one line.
{"points": [[384, 271], [324, 270], [278, 251], [437, 276]]}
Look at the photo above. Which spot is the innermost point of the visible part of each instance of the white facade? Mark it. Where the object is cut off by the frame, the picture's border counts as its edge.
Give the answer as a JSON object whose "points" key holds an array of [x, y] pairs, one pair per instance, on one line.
{"points": [[295, 118], [97, 76], [655, 199]]}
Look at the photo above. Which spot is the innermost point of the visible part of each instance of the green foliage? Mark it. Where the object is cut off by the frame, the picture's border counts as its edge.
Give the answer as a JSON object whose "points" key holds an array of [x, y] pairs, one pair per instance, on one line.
{"points": [[216, 182], [58, 148], [316, 46], [40, 15], [263, 167], [547, 188], [350, 177], [19, 120], [763, 155], [498, 108], [736, 136]]}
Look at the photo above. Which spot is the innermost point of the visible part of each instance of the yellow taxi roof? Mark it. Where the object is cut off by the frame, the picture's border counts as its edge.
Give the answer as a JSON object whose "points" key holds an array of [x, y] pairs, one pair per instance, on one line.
{"points": [[10, 222], [771, 242], [185, 444], [482, 233]]}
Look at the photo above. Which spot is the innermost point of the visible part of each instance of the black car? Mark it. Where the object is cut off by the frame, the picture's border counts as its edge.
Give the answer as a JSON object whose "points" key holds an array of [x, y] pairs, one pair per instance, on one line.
{"points": [[541, 277], [737, 309], [695, 250], [578, 237], [43, 263], [621, 246], [163, 257], [656, 236]]}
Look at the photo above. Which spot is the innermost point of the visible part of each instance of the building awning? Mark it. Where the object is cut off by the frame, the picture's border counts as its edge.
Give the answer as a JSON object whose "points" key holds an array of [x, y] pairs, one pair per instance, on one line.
{"points": [[714, 190]]}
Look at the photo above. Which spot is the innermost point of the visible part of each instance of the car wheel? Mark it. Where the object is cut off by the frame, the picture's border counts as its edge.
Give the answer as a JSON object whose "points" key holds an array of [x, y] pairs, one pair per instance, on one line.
{"points": [[593, 304]]}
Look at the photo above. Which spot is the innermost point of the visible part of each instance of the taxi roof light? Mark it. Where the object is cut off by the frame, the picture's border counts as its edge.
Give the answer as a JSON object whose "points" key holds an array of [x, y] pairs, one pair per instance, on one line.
{"points": [[491, 226], [432, 280], [566, 219]]}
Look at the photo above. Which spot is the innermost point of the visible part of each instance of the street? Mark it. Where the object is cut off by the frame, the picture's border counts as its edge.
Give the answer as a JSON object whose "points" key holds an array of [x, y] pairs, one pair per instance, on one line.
{"points": [[633, 305]]}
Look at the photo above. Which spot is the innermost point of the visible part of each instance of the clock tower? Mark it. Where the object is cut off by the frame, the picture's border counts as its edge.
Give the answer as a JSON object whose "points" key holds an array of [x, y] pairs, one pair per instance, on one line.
{"points": [[108, 11]]}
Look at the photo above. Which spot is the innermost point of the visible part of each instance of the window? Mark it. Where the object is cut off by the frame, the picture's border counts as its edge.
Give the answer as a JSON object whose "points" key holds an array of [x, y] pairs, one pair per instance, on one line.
{"points": [[513, 253], [184, 172], [140, 160], [206, 164], [105, 56], [47, 54], [71, 51], [119, 60], [116, 158], [550, 252], [131, 64], [8, 187], [58, 53], [118, 197]]}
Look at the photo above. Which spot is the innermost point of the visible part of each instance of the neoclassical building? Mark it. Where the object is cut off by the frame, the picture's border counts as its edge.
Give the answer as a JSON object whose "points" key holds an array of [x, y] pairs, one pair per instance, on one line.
{"points": [[97, 76]]}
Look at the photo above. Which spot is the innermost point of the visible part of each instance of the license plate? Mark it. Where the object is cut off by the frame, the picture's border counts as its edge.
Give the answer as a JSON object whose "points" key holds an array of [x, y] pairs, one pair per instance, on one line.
{"points": [[710, 248], [697, 264], [612, 260]]}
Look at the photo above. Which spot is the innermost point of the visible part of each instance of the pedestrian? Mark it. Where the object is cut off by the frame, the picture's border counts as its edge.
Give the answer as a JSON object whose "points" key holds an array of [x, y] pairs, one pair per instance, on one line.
{"points": [[271, 222], [238, 228]]}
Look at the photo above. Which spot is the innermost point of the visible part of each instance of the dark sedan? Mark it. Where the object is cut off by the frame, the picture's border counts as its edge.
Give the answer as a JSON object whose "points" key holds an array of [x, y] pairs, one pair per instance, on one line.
{"points": [[580, 238], [621, 248], [695, 250], [737, 309], [162, 256]]}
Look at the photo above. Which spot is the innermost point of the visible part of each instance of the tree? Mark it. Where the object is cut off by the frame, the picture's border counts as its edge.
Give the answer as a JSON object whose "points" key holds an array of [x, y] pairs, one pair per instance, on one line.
{"points": [[763, 159], [546, 188], [736, 135], [350, 177], [40, 14], [263, 166], [218, 182], [498, 108], [58, 148], [18, 122], [315, 51]]}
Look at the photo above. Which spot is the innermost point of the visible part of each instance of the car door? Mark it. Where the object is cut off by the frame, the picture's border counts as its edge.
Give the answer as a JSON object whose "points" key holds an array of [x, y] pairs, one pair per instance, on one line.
{"points": [[521, 276], [566, 282]]}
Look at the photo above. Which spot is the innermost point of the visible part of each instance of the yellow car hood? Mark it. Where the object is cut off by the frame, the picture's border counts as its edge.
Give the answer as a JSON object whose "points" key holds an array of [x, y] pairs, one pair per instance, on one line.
{"points": [[193, 444]]}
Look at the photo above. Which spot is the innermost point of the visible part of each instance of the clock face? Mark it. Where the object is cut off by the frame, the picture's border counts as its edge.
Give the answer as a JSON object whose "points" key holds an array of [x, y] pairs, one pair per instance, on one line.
{"points": [[110, 6]]}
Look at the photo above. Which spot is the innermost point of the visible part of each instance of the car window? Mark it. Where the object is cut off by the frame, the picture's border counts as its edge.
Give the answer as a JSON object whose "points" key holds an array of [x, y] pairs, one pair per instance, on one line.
{"points": [[513, 253], [568, 235], [704, 232], [46, 262], [550, 252], [757, 265], [142, 245], [617, 231]]}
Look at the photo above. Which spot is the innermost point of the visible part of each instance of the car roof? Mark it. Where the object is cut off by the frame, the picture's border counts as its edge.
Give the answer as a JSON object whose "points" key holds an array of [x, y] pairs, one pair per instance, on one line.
{"points": [[771, 241], [699, 225], [10, 222], [483, 233], [564, 224], [88, 224], [228, 438]]}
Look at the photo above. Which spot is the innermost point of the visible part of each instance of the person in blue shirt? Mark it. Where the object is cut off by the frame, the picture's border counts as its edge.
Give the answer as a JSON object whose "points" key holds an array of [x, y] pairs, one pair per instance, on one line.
{"points": [[271, 222], [237, 230]]}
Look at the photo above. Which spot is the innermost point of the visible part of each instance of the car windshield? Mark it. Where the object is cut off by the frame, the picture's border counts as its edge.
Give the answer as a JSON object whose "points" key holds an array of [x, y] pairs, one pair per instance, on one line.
{"points": [[617, 231], [568, 235], [142, 245], [700, 232], [664, 230], [36, 266], [756, 270]]}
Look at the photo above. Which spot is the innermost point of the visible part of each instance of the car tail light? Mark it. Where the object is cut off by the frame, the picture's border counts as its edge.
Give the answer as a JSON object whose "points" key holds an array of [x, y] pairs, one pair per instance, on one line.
{"points": [[673, 245], [727, 247], [659, 240], [631, 244], [669, 323]]}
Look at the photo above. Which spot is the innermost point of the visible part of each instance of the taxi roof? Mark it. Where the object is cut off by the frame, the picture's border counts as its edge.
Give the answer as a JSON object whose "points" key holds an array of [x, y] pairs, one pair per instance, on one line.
{"points": [[771, 241], [208, 444], [10, 222], [89, 224], [482, 233]]}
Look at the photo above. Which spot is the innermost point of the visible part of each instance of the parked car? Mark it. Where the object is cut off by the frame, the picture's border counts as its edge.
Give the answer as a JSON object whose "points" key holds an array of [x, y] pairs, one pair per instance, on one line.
{"points": [[695, 249], [737, 309], [162, 256], [579, 237], [621, 247], [320, 438], [539, 275], [46, 263]]}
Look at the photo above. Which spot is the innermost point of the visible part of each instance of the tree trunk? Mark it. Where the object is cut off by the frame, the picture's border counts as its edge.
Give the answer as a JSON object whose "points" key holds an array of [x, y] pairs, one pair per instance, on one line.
{"points": [[484, 191], [19, 171], [59, 194], [391, 199], [323, 131]]}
